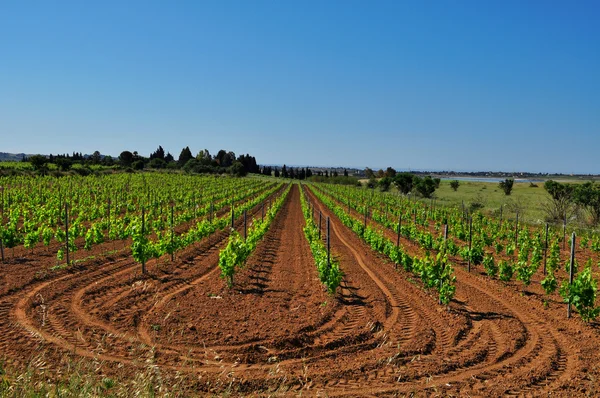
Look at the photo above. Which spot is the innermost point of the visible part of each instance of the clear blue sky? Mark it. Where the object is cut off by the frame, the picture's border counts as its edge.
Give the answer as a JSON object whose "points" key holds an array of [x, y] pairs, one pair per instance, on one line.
{"points": [[452, 85]]}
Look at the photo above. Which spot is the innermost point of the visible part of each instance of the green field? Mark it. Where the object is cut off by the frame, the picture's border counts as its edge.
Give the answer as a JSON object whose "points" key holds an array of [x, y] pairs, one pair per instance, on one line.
{"points": [[526, 198]]}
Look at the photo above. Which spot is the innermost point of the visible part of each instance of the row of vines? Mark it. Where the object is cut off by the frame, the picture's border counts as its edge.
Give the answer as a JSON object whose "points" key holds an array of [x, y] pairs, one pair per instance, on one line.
{"points": [[505, 249], [155, 214], [435, 272]]}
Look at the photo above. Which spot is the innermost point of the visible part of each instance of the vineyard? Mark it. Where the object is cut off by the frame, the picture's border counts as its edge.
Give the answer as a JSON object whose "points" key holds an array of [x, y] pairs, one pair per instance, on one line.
{"points": [[177, 284]]}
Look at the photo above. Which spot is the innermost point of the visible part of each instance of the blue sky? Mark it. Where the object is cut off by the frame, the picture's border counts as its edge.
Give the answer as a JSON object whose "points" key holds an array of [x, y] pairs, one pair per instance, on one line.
{"points": [[434, 85]]}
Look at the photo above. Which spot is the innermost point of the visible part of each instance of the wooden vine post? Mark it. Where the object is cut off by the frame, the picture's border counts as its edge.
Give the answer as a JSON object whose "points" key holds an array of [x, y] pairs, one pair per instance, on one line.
{"points": [[67, 229], [470, 242], [320, 216], [172, 231], [232, 216], [245, 226], [565, 231], [108, 218], [517, 231], [443, 269], [328, 246], [399, 229], [546, 249], [143, 247], [571, 263], [431, 209]]}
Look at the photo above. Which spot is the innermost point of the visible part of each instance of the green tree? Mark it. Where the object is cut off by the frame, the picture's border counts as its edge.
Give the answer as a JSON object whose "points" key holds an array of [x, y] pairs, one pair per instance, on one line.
{"points": [[38, 162], [588, 195], [454, 184], [126, 158], [506, 185], [384, 184], [424, 186], [184, 156], [64, 164], [96, 157], [138, 165], [204, 157], [404, 182], [390, 172], [158, 154], [561, 203], [157, 163], [237, 169]]}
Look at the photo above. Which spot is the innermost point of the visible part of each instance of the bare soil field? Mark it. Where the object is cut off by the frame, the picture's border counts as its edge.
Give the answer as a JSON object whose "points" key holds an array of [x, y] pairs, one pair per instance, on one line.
{"points": [[277, 331]]}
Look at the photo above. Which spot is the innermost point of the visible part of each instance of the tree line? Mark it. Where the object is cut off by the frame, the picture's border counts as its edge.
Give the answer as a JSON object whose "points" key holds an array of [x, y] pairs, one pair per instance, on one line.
{"points": [[222, 162], [406, 183]]}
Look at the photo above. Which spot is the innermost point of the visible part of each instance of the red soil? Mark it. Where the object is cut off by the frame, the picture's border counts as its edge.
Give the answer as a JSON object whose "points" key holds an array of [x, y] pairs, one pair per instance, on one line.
{"points": [[277, 330]]}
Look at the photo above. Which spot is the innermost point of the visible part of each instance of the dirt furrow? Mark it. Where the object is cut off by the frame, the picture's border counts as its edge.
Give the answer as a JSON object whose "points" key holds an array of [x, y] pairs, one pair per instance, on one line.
{"points": [[277, 331]]}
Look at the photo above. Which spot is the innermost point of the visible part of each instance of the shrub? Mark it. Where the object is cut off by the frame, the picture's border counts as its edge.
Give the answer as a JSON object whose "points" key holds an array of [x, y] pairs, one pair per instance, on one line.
{"points": [[506, 185]]}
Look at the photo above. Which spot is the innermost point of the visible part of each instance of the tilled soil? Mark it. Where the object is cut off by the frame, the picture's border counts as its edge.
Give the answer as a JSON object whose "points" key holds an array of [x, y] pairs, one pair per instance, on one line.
{"points": [[277, 332]]}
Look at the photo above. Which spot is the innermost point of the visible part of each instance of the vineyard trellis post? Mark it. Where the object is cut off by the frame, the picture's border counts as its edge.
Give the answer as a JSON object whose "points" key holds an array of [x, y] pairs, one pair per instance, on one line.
{"points": [[67, 230], [399, 228], [212, 210], [320, 216], [565, 231], [444, 268], [328, 246], [245, 226], [108, 218], [571, 263], [546, 249], [194, 204], [172, 232], [366, 211], [263, 211], [232, 216], [470, 243], [143, 247], [517, 230]]}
